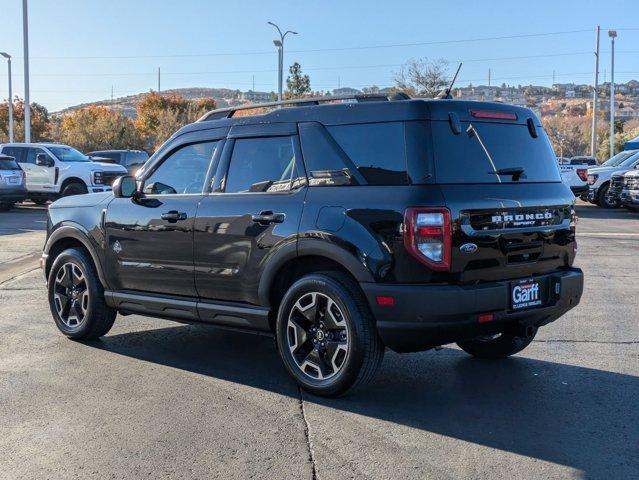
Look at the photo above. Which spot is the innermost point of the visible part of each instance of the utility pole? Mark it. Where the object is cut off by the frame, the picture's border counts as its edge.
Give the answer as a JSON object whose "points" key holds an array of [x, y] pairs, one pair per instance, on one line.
{"points": [[111, 94], [489, 77], [612, 34], [253, 83], [339, 82], [593, 136], [159, 90], [10, 102], [280, 57], [27, 104], [553, 77]]}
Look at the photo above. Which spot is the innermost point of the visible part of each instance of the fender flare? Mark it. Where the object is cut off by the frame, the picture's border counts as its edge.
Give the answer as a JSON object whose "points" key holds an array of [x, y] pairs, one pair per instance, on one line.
{"points": [[310, 247], [79, 233]]}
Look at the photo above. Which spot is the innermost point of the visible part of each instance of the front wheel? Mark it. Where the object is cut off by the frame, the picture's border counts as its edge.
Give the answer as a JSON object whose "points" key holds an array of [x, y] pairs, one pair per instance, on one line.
{"points": [[326, 334], [604, 199], [76, 297], [500, 345], [5, 207], [74, 188]]}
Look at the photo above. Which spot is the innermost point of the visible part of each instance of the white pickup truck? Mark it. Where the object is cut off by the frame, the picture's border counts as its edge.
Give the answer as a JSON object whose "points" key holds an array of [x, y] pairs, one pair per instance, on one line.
{"points": [[574, 173], [54, 170]]}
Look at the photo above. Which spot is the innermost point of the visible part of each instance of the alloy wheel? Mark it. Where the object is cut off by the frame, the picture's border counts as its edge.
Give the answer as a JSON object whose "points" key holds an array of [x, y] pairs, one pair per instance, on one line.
{"points": [[318, 336], [71, 295]]}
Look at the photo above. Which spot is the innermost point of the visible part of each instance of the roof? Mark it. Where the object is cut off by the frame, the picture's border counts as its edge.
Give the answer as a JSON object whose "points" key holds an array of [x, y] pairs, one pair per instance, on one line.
{"points": [[363, 112], [34, 144]]}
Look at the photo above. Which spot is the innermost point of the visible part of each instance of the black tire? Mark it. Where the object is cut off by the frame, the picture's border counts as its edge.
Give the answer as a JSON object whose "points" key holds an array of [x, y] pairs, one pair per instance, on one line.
{"points": [[5, 207], [364, 350], [503, 345], [602, 197], [98, 317], [39, 200], [74, 188]]}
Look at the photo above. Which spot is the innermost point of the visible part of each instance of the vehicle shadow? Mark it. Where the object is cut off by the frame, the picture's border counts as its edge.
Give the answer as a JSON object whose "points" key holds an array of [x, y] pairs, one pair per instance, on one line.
{"points": [[583, 418], [592, 211]]}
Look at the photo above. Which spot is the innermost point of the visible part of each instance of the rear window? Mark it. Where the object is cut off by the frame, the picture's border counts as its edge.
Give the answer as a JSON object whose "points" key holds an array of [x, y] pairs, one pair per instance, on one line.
{"points": [[461, 158], [8, 164]]}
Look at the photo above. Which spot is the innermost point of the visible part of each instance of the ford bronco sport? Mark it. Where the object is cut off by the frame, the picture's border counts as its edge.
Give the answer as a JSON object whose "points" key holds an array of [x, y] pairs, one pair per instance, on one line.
{"points": [[342, 227]]}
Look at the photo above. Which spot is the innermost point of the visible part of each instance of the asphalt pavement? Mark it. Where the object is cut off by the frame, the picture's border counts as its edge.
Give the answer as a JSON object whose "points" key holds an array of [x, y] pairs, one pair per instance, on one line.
{"points": [[159, 399]]}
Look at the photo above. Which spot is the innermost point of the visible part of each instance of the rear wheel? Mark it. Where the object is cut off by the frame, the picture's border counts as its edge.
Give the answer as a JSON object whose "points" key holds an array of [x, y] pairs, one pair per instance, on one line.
{"points": [[39, 200], [76, 297], [5, 207], [74, 188], [500, 345], [326, 335], [604, 199]]}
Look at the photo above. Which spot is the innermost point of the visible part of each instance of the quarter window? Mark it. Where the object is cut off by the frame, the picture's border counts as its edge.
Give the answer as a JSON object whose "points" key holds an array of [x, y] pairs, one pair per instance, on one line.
{"points": [[261, 165], [182, 172]]}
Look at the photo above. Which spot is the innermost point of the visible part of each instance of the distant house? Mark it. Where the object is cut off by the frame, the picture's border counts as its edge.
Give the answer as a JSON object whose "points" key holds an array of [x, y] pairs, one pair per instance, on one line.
{"points": [[346, 91], [256, 96]]}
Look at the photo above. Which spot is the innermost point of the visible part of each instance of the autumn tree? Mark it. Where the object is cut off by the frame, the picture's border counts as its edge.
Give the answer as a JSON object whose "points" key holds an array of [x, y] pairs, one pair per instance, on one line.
{"points": [[297, 84], [99, 128], [159, 115], [422, 77], [40, 121], [569, 136]]}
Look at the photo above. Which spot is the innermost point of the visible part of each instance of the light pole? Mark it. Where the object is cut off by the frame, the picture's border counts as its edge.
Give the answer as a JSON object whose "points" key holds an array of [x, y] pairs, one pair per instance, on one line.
{"points": [[612, 34], [593, 136], [10, 102], [27, 105], [280, 57]]}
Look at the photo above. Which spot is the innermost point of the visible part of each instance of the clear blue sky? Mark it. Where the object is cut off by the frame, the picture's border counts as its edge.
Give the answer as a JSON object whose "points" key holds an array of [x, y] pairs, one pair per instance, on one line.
{"points": [[182, 37]]}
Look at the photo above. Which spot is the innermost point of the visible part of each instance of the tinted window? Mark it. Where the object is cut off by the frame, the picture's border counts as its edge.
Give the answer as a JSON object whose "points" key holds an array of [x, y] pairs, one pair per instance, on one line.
{"points": [[31, 154], [183, 171], [110, 155], [461, 158], [377, 150], [15, 152], [261, 165], [8, 164], [136, 158], [619, 158]]}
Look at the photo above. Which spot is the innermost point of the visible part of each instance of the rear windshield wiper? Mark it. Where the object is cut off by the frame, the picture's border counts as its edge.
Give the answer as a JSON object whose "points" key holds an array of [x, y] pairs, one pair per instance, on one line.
{"points": [[515, 172], [472, 132]]}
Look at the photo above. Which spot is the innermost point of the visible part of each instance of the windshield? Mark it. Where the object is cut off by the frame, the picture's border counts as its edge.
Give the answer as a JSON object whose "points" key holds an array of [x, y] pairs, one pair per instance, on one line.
{"points": [[8, 164], [620, 158], [506, 147], [68, 154]]}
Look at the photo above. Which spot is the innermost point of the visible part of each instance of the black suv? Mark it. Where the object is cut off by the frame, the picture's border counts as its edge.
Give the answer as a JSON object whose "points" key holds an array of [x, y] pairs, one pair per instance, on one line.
{"points": [[340, 227]]}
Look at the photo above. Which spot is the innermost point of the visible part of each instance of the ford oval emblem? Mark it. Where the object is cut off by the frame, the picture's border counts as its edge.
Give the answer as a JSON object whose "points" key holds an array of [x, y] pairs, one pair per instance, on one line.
{"points": [[469, 248]]}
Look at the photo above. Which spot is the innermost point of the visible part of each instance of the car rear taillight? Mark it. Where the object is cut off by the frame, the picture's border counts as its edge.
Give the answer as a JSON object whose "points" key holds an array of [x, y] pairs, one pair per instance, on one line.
{"points": [[428, 236], [592, 178], [493, 115], [583, 174]]}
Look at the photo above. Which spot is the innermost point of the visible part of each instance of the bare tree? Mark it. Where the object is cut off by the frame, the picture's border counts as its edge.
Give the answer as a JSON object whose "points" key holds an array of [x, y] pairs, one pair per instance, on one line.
{"points": [[422, 78]]}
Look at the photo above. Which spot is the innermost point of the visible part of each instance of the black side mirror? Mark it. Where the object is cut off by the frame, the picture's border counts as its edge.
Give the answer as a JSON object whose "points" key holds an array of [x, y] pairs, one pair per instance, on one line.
{"points": [[124, 187], [44, 160]]}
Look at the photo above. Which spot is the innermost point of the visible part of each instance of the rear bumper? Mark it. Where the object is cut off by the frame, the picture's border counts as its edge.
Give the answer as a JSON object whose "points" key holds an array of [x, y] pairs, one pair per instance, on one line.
{"points": [[425, 316], [12, 195], [579, 189]]}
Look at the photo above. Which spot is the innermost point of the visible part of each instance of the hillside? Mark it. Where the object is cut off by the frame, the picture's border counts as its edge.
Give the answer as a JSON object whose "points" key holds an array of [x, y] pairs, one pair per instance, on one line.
{"points": [[223, 96]]}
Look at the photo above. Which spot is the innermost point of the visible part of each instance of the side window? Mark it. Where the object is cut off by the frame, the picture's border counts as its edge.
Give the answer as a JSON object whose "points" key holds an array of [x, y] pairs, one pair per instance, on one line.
{"points": [[261, 165], [377, 150], [183, 171], [31, 154], [15, 152]]}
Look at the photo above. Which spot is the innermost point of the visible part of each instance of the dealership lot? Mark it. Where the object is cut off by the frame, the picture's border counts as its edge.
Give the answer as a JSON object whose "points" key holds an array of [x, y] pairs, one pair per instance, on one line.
{"points": [[160, 399]]}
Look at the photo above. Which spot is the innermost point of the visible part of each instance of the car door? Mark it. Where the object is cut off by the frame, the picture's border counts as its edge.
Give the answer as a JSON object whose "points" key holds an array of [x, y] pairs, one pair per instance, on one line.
{"points": [[42, 177], [253, 211], [150, 237]]}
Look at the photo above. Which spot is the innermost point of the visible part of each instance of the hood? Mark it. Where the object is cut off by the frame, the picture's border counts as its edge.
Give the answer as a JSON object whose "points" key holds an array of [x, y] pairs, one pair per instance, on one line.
{"points": [[87, 200], [632, 173], [603, 169], [109, 167]]}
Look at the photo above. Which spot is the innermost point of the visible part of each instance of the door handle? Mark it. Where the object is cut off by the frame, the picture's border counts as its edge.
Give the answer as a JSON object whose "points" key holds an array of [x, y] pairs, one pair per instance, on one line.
{"points": [[267, 217], [173, 216]]}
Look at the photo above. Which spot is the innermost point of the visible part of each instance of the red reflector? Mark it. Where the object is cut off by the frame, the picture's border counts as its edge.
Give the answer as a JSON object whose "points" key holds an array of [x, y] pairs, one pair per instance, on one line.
{"points": [[495, 115], [486, 317], [583, 174], [385, 301], [429, 231]]}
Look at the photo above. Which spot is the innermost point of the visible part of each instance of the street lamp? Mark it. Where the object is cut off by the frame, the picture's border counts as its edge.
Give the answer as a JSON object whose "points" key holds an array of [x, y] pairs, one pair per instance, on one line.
{"points": [[612, 34], [10, 103], [280, 57]]}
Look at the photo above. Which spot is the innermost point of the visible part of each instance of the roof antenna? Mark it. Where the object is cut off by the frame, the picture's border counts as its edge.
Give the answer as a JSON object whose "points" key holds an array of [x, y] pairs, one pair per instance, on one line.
{"points": [[445, 94]]}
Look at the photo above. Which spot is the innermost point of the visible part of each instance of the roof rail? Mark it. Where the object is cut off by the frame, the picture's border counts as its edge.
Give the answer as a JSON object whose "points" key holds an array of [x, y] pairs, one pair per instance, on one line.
{"points": [[302, 102]]}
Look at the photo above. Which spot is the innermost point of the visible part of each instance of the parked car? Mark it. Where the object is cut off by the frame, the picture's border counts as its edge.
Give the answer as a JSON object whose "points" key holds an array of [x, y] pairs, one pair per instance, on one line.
{"points": [[341, 229], [12, 183], [576, 177], [53, 170], [583, 160], [132, 160], [599, 177], [630, 191]]}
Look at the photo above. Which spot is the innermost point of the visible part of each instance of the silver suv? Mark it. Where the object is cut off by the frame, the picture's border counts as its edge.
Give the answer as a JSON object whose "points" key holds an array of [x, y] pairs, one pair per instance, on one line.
{"points": [[599, 177], [12, 183]]}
